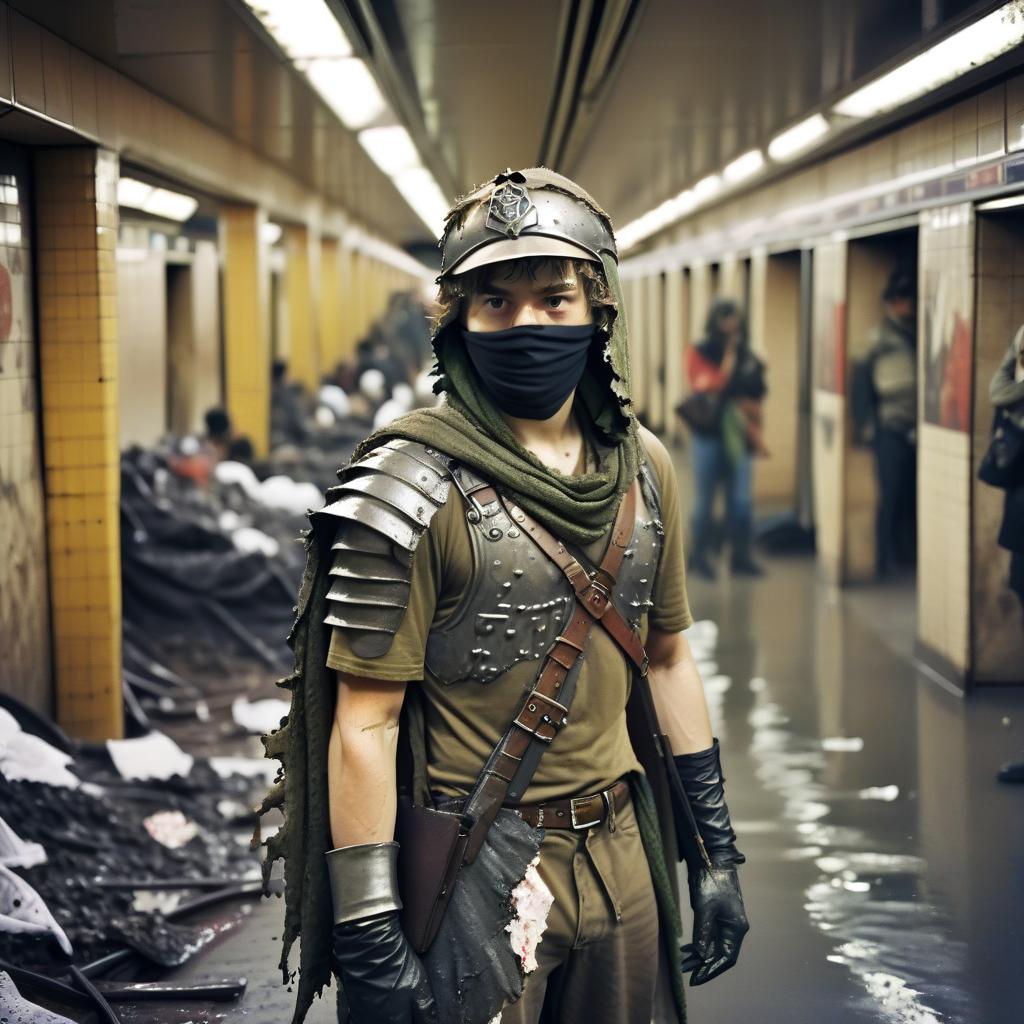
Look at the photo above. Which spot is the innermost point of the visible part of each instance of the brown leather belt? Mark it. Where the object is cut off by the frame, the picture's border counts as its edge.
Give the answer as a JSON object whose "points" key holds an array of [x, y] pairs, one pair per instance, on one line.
{"points": [[579, 813]]}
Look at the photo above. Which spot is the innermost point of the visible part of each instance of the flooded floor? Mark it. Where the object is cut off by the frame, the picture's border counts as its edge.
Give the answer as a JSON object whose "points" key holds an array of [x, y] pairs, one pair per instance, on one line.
{"points": [[885, 864]]}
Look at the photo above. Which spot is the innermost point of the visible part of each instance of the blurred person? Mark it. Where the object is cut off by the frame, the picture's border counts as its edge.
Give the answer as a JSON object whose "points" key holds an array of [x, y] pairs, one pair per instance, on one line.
{"points": [[532, 472], [1003, 466], [885, 416], [287, 407], [241, 450], [219, 433], [728, 380]]}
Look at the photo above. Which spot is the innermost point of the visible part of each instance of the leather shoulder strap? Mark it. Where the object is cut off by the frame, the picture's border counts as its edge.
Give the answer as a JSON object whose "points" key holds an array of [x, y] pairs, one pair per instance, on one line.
{"points": [[545, 711]]}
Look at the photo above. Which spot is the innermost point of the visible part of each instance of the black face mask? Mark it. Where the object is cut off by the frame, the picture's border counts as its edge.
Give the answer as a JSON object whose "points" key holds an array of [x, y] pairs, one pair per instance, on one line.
{"points": [[530, 371]]}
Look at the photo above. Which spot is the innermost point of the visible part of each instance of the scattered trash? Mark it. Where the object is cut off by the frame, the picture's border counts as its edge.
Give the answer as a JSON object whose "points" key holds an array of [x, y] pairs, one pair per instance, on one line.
{"points": [[171, 828], [250, 767], [22, 910], [260, 716], [18, 1010], [24, 757], [154, 756], [15, 852]]}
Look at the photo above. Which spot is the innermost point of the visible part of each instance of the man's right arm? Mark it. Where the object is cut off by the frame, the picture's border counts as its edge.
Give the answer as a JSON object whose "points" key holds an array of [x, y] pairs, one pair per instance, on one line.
{"points": [[383, 979], [361, 778]]}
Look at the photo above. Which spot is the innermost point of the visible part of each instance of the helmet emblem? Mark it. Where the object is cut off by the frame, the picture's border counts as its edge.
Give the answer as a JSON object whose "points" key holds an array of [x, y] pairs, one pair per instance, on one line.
{"points": [[511, 209]]}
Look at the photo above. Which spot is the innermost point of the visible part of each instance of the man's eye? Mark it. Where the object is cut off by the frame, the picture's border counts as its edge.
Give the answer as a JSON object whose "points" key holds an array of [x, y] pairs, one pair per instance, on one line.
{"points": [[555, 301], [494, 302]]}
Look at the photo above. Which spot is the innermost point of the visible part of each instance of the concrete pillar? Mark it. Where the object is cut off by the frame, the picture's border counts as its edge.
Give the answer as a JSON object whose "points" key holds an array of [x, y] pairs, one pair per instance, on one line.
{"points": [[655, 343], [674, 319], [944, 469], [76, 203], [640, 376], [774, 323], [829, 403], [700, 299], [331, 333], [301, 286], [246, 333]]}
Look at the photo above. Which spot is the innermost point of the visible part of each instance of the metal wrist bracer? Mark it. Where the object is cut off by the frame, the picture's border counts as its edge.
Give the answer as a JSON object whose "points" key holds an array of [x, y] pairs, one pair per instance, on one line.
{"points": [[364, 880]]}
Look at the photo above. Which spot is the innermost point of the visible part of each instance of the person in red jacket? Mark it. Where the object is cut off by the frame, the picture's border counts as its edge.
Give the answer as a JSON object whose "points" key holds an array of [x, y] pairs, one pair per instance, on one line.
{"points": [[722, 367]]}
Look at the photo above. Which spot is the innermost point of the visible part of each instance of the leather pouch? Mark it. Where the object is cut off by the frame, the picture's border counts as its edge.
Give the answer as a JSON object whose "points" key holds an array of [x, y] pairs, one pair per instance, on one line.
{"points": [[431, 848]]}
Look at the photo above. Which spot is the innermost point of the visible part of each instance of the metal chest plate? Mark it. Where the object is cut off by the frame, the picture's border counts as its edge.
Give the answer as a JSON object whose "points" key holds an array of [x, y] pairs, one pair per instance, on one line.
{"points": [[517, 601]]}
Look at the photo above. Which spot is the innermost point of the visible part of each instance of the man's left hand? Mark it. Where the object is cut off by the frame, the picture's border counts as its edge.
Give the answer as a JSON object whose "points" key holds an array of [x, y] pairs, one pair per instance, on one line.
{"points": [[719, 923]]}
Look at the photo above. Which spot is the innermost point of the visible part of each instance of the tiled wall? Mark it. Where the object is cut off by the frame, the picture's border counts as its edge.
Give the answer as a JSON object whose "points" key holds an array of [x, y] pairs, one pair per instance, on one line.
{"points": [[998, 639], [944, 450], [829, 404], [142, 352], [246, 341], [302, 279], [76, 206], [24, 601], [330, 329], [654, 340], [673, 318]]}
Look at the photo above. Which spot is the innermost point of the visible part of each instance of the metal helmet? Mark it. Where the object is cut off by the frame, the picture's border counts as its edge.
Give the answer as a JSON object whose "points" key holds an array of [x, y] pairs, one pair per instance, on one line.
{"points": [[534, 212]]}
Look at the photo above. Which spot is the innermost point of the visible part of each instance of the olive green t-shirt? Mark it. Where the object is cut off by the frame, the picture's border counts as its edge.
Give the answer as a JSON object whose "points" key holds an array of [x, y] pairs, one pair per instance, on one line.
{"points": [[465, 720]]}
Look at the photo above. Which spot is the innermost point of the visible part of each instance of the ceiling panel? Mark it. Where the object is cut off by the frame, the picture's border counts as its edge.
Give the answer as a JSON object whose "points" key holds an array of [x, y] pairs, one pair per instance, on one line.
{"points": [[484, 74]]}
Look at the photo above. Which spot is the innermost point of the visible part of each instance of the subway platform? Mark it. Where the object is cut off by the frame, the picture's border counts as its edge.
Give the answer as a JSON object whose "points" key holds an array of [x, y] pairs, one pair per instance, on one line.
{"points": [[884, 862]]}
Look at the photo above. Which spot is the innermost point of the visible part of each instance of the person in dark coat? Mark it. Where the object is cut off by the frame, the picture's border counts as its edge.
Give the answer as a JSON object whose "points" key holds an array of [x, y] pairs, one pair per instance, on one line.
{"points": [[1006, 392]]}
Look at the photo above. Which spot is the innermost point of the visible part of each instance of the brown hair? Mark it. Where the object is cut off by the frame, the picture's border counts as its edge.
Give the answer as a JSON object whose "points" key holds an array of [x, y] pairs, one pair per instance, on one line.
{"points": [[457, 287]]}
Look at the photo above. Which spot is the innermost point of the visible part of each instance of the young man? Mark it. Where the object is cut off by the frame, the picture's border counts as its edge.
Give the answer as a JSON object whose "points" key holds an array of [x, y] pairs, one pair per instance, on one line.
{"points": [[452, 577]]}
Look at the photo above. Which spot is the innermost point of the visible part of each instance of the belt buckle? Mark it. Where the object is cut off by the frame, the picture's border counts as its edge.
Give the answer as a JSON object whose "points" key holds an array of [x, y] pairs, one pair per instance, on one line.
{"points": [[580, 825]]}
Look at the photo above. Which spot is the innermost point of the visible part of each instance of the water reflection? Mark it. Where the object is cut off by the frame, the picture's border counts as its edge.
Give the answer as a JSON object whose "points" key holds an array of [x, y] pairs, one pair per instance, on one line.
{"points": [[908, 854]]}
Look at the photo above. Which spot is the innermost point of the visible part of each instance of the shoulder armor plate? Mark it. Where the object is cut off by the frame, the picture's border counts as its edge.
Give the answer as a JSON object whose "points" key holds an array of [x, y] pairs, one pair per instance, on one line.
{"points": [[383, 504]]}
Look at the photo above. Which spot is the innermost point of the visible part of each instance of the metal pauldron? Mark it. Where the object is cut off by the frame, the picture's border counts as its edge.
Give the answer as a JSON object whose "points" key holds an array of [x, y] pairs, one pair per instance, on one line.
{"points": [[383, 505]]}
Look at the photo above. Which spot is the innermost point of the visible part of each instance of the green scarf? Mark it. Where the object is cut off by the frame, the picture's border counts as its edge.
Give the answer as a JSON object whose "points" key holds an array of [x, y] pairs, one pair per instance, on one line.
{"points": [[468, 427]]}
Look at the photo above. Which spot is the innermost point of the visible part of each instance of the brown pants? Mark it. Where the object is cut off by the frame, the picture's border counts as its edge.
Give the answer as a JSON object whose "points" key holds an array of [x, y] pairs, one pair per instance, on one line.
{"points": [[598, 958]]}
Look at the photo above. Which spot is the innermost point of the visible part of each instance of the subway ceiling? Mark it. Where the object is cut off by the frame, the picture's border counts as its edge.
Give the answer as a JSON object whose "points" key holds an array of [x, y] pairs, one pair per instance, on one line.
{"points": [[634, 98]]}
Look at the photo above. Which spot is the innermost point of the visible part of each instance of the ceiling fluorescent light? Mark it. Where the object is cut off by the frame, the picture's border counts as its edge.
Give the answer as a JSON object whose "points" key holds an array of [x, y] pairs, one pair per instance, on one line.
{"points": [[270, 233], [132, 193], [707, 187], [390, 148], [800, 137], [302, 28], [419, 189], [1005, 203], [348, 88], [170, 205], [977, 44], [743, 166]]}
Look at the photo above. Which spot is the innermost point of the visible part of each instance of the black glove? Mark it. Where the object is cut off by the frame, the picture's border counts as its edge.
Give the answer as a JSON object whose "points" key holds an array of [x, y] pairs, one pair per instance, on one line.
{"points": [[383, 978], [719, 918]]}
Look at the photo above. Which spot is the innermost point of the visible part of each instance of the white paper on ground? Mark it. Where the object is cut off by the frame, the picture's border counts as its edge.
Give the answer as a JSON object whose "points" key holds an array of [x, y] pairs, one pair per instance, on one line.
{"points": [[17, 1008], [27, 758], [252, 767], [153, 756], [15, 852], [22, 910], [171, 828], [259, 716]]}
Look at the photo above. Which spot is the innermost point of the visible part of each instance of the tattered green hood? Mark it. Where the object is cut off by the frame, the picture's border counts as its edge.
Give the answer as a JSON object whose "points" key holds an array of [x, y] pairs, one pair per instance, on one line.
{"points": [[469, 427]]}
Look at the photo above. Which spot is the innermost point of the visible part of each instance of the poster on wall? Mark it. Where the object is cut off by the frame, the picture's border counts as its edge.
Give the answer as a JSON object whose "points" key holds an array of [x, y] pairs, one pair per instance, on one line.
{"points": [[946, 323]]}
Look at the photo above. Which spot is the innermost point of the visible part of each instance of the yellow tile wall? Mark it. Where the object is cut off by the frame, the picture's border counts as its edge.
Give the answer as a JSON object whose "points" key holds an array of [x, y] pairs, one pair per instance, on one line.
{"points": [[301, 284], [331, 333], [24, 602], [246, 339], [674, 314], [76, 204]]}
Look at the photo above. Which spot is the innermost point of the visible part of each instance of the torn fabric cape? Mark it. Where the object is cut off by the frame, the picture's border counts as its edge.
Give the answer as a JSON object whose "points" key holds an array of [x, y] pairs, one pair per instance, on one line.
{"points": [[469, 428]]}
